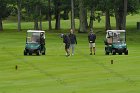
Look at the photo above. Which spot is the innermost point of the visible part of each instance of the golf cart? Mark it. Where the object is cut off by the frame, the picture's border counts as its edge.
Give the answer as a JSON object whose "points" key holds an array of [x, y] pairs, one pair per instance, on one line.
{"points": [[35, 42], [115, 42]]}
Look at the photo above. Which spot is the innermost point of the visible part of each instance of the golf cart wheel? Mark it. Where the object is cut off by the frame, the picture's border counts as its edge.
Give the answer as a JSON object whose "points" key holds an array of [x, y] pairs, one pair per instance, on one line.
{"points": [[43, 53], [126, 52], [38, 53], [113, 52], [25, 53], [106, 53]]}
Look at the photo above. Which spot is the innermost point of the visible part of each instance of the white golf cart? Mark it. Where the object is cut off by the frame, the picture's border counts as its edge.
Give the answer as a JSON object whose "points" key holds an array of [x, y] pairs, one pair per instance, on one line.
{"points": [[35, 42], [116, 42]]}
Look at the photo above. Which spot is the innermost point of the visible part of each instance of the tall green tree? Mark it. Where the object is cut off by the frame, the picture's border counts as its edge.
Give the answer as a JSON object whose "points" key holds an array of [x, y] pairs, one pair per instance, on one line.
{"points": [[122, 8], [17, 8], [49, 14], [82, 17], [106, 6], [57, 8], [92, 6], [66, 8], [5, 11], [34, 9], [125, 14], [19, 14], [118, 13], [72, 16]]}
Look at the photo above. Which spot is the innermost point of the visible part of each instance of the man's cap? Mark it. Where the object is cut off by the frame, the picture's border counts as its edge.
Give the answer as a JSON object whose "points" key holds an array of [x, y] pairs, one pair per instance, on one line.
{"points": [[61, 35], [91, 31], [41, 33]]}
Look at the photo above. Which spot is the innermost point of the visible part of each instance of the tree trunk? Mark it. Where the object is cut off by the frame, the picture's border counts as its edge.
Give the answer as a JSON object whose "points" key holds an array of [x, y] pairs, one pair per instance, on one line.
{"points": [[124, 15], [57, 24], [40, 25], [85, 13], [72, 16], [83, 18], [57, 15], [121, 19], [116, 18], [19, 14], [1, 26], [66, 14], [91, 19], [36, 24], [120, 15], [107, 23], [49, 14], [116, 9], [36, 18]]}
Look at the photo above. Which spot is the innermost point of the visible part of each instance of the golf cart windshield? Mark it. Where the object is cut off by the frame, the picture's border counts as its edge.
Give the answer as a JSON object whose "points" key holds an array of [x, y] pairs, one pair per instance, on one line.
{"points": [[115, 36], [33, 37], [119, 37]]}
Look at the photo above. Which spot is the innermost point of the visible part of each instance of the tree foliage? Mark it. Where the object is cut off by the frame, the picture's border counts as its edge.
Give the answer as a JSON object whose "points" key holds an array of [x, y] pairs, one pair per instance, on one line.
{"points": [[5, 11], [36, 10]]}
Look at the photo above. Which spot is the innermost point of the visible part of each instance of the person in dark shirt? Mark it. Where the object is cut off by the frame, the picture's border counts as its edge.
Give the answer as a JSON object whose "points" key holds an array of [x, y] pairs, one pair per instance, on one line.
{"points": [[42, 40], [66, 40], [91, 39], [73, 40]]}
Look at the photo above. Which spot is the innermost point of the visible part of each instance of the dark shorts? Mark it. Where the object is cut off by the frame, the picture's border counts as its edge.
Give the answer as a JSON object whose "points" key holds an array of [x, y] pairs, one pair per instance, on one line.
{"points": [[67, 46]]}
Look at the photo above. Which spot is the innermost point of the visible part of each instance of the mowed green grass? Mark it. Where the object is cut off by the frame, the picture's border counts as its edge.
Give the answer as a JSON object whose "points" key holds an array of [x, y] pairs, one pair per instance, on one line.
{"points": [[55, 73]]}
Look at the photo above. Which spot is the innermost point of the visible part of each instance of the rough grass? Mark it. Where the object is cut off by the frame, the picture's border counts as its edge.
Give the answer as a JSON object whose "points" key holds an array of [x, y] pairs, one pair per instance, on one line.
{"points": [[55, 73], [65, 24]]}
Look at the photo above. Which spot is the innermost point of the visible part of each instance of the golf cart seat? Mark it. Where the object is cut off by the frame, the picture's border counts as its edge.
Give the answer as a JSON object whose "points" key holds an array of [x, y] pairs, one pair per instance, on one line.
{"points": [[109, 41]]}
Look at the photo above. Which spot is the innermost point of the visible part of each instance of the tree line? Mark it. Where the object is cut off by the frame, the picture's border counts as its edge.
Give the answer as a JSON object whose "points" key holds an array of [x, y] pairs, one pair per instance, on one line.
{"points": [[38, 10]]}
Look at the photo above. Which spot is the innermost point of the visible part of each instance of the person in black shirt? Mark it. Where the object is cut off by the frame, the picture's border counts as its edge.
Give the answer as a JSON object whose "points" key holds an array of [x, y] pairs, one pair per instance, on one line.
{"points": [[73, 40], [91, 39], [42, 40], [66, 40]]}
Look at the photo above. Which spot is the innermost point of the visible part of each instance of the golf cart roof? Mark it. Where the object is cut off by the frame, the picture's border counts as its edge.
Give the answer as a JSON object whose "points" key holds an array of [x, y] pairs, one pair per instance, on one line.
{"points": [[36, 31], [115, 31]]}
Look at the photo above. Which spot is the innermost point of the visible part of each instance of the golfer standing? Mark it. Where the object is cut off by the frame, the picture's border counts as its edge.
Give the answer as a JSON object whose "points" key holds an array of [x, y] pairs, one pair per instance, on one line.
{"points": [[91, 39], [73, 40], [66, 40], [42, 40]]}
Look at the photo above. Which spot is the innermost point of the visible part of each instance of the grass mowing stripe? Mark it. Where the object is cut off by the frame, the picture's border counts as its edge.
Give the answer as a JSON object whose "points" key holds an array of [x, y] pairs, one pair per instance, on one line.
{"points": [[111, 71], [57, 79]]}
